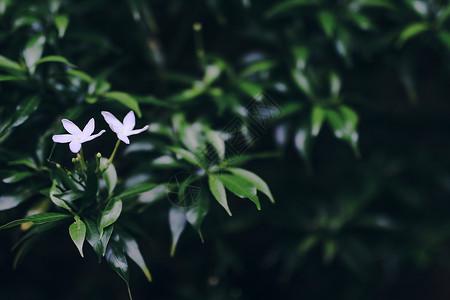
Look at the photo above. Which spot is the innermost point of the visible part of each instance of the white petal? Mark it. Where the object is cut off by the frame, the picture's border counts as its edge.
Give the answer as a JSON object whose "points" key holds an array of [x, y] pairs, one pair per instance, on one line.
{"points": [[112, 121], [75, 146], [90, 138], [123, 138], [129, 121], [89, 128], [62, 138], [71, 127], [138, 130]]}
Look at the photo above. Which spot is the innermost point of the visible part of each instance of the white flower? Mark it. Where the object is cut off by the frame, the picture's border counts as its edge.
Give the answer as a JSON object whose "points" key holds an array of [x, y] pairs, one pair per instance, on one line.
{"points": [[123, 130], [76, 136]]}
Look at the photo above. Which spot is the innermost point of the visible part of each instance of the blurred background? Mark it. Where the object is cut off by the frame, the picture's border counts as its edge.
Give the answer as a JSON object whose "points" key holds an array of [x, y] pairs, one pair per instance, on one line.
{"points": [[356, 153]]}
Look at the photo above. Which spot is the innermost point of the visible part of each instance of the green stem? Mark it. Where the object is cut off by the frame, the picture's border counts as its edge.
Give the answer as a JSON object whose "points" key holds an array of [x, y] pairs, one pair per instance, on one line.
{"points": [[112, 156], [83, 163]]}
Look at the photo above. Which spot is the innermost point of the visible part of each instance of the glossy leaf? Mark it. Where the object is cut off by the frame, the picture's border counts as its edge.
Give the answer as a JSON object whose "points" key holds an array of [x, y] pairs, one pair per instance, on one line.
{"points": [[177, 222], [110, 175], [254, 179], [54, 190], [77, 232], [25, 109], [131, 248], [41, 218], [126, 99], [186, 155], [116, 259], [197, 213], [240, 188], [136, 190], [33, 51], [411, 31], [218, 190], [110, 214], [10, 65], [217, 142], [99, 244]]}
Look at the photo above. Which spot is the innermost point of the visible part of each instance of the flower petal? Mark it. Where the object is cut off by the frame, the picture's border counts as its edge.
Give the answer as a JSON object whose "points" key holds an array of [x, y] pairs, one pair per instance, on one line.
{"points": [[90, 138], [123, 138], [75, 146], [89, 128], [62, 138], [129, 121], [71, 127], [112, 121], [138, 130]]}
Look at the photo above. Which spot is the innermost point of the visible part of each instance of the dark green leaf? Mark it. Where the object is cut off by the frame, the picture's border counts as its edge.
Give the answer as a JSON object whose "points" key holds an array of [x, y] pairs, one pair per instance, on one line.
{"points": [[137, 189], [54, 58], [110, 175], [17, 176], [93, 237], [110, 214], [132, 250], [117, 261]]}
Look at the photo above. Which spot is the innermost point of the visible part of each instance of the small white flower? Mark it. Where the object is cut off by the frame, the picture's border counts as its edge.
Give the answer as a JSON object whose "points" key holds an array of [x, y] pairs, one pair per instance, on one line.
{"points": [[123, 130], [76, 136]]}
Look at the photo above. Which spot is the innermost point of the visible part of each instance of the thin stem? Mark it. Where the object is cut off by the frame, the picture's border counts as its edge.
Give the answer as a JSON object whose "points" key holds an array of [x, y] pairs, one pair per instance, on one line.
{"points": [[112, 155], [83, 163]]}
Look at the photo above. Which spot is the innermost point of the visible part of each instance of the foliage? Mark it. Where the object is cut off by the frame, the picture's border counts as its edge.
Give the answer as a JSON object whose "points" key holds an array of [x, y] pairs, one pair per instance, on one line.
{"points": [[339, 105]]}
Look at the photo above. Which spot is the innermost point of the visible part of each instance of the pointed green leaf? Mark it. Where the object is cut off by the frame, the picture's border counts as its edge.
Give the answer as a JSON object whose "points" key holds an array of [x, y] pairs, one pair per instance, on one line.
{"points": [[110, 214], [411, 31], [217, 142], [328, 22], [77, 232], [118, 262], [93, 237], [10, 65], [17, 176], [177, 222], [132, 250], [137, 189], [25, 109], [61, 23], [218, 191], [317, 118], [197, 213], [126, 99], [110, 175], [254, 179], [57, 201], [33, 51], [54, 58], [239, 187], [186, 155], [43, 218]]}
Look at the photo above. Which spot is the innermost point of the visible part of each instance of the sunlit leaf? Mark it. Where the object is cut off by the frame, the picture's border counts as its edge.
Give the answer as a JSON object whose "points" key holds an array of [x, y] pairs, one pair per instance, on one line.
{"points": [[110, 214], [240, 188], [254, 179], [61, 23], [411, 31], [33, 51], [218, 190]]}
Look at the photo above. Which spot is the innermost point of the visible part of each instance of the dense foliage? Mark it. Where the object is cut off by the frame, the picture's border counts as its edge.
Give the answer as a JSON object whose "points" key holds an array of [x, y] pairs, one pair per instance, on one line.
{"points": [[328, 116]]}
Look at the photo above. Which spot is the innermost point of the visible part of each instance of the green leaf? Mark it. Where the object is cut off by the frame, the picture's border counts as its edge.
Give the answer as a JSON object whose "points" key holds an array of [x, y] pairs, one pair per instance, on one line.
{"points": [[116, 259], [335, 85], [177, 222], [33, 51], [17, 176], [57, 201], [302, 81], [3, 5], [218, 191], [253, 90], [197, 213], [240, 188], [43, 218], [328, 22], [132, 250], [61, 23], [28, 162], [93, 237], [411, 31], [54, 58], [77, 232], [254, 179], [136, 190], [80, 74], [258, 67], [361, 20], [287, 6], [317, 118], [217, 142], [110, 175], [126, 99], [10, 65], [25, 109], [110, 214], [186, 155]]}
